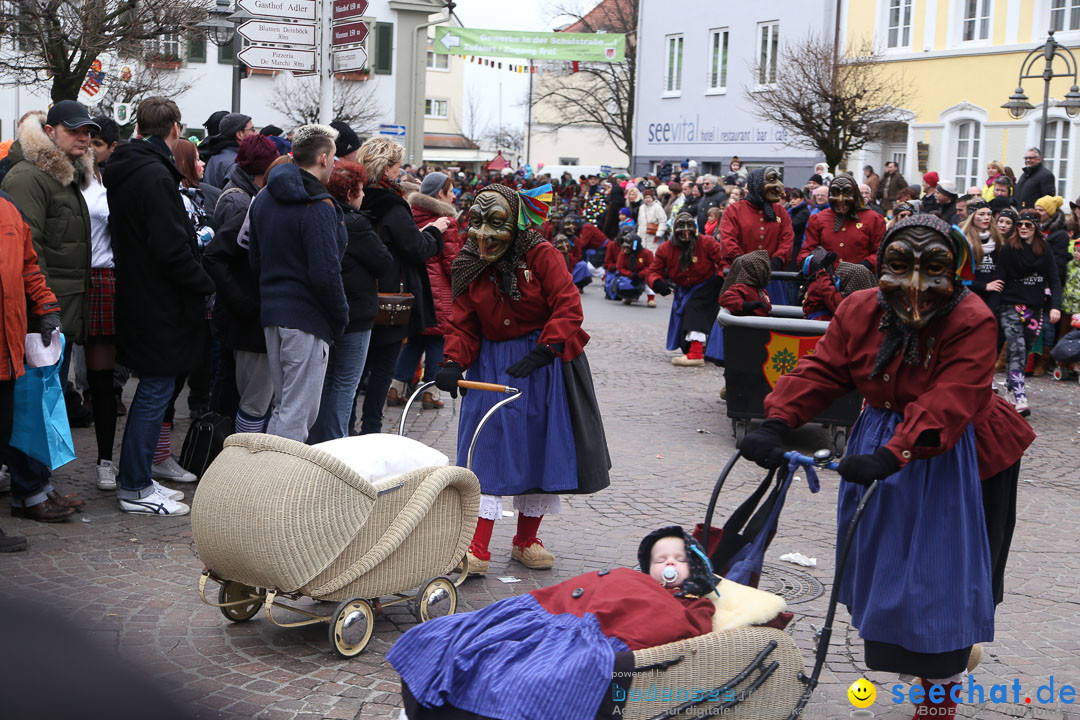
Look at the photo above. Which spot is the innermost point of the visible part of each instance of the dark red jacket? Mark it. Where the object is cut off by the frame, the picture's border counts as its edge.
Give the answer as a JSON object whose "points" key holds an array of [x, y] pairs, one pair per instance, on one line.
{"points": [[549, 302], [947, 391], [708, 261], [821, 295], [739, 293], [611, 256], [590, 237], [426, 210], [856, 241], [743, 229], [642, 263]]}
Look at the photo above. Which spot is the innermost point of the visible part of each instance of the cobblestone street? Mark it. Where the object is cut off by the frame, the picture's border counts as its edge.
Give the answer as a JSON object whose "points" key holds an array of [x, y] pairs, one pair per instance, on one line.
{"points": [[131, 581]]}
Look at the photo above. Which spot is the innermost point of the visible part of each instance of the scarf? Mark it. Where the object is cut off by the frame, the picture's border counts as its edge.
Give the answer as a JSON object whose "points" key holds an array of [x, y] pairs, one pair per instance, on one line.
{"points": [[987, 247], [392, 185], [755, 194], [751, 269], [468, 265], [857, 205], [898, 336], [852, 277]]}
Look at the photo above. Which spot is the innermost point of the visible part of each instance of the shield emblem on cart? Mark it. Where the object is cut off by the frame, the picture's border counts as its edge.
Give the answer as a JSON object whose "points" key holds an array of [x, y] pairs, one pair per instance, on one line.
{"points": [[782, 352]]}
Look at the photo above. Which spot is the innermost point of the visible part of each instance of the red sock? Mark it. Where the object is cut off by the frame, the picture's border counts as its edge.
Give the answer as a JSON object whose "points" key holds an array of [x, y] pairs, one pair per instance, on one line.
{"points": [[481, 538], [696, 351], [164, 446], [526, 530], [929, 709]]}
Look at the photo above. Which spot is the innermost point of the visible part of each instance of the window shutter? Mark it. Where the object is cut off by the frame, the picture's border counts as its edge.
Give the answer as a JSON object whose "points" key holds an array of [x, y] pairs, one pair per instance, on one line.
{"points": [[196, 48], [384, 48], [227, 53]]}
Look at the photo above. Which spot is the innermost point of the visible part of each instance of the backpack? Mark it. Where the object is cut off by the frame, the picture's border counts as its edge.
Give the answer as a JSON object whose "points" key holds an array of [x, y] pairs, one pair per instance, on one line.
{"points": [[204, 440]]}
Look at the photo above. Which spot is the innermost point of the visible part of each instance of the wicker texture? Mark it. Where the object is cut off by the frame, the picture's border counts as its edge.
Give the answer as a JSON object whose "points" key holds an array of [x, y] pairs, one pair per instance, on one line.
{"points": [[271, 512], [710, 661]]}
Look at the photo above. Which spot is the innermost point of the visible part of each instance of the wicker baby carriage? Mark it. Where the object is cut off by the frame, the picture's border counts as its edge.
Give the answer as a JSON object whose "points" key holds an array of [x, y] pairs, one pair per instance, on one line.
{"points": [[276, 520]]}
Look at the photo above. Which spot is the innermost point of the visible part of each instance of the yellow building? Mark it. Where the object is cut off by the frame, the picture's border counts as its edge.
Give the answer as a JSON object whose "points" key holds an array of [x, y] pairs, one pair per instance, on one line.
{"points": [[961, 60]]}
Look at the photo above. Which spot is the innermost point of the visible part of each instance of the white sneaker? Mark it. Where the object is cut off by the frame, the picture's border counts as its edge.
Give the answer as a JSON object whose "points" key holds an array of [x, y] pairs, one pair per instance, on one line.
{"points": [[176, 495], [156, 503], [169, 469], [106, 475], [5, 479]]}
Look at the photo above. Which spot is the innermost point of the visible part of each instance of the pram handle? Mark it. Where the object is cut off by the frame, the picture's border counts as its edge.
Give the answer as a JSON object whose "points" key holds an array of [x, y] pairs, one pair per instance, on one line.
{"points": [[491, 387], [824, 461]]}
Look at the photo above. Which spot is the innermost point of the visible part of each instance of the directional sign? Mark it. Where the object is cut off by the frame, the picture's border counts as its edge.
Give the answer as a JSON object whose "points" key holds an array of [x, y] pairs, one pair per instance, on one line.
{"points": [[350, 60], [592, 47], [261, 31], [271, 58], [350, 33], [392, 130], [347, 9], [290, 9]]}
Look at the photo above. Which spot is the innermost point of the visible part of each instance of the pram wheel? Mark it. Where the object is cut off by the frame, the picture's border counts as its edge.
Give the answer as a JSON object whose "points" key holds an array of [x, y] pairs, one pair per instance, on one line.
{"points": [[739, 428], [235, 592], [436, 598], [351, 627], [839, 439]]}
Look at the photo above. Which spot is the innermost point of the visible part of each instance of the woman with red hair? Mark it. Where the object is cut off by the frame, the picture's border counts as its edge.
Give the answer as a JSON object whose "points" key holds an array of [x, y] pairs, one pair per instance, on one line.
{"points": [[366, 257]]}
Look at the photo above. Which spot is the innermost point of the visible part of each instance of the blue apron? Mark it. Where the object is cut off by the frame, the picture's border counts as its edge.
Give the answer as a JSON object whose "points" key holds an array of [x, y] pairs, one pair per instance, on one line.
{"points": [[678, 307]]}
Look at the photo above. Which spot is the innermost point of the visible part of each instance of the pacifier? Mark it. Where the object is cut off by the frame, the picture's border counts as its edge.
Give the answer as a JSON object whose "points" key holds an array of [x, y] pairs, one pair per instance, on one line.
{"points": [[669, 575]]}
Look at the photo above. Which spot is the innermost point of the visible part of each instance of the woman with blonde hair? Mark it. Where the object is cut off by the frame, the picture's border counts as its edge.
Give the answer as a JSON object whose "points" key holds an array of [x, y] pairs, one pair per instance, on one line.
{"points": [[994, 170]]}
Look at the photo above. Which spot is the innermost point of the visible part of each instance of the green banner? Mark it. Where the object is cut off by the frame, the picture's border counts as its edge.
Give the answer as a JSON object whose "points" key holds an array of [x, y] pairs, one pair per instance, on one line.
{"points": [[584, 47]]}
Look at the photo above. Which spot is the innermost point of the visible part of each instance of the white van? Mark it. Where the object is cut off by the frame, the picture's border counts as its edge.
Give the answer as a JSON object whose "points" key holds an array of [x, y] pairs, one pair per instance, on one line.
{"points": [[556, 171]]}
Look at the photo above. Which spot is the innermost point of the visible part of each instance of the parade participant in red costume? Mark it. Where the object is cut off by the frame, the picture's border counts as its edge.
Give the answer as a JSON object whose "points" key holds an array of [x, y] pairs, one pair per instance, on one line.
{"points": [[744, 292], [760, 222], [552, 225], [632, 263], [516, 321], [583, 238], [846, 227], [920, 349], [552, 653], [830, 287], [694, 264]]}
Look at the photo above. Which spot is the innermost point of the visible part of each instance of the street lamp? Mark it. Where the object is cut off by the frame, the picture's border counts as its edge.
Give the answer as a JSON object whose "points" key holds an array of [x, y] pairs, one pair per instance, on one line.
{"points": [[220, 29], [1018, 105]]}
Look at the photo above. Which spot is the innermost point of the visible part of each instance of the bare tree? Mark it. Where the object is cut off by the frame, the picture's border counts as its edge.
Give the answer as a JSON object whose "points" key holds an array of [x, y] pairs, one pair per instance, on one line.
{"points": [[135, 81], [54, 42], [472, 116], [506, 137], [834, 105], [599, 95], [354, 102]]}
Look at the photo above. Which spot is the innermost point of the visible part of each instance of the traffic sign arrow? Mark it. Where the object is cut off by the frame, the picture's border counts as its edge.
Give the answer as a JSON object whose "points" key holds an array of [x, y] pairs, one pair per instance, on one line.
{"points": [[290, 9], [262, 31], [449, 40], [349, 33], [346, 9], [272, 58], [350, 60]]}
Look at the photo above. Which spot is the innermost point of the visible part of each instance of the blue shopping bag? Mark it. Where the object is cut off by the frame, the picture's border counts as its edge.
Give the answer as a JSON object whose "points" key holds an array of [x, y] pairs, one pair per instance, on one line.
{"points": [[40, 423], [625, 284]]}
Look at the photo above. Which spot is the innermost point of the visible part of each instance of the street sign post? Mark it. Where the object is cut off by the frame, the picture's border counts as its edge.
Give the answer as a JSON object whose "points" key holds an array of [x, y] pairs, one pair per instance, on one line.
{"points": [[392, 130], [272, 58], [351, 33], [289, 9], [261, 31], [348, 9], [350, 59], [585, 47]]}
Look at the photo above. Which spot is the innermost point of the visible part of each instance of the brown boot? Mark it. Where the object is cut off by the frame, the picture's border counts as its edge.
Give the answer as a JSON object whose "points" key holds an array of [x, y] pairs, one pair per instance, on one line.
{"points": [[999, 366], [47, 511], [66, 501], [430, 403], [393, 399], [1040, 365]]}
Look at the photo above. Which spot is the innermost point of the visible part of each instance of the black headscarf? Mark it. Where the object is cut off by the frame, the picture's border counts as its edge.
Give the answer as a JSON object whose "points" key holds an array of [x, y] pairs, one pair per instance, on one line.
{"points": [[755, 194], [686, 247], [751, 269], [701, 581], [898, 336], [469, 265]]}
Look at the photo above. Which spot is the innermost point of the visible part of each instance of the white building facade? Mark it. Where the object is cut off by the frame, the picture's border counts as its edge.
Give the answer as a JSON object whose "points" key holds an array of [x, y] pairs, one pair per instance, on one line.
{"points": [[694, 68]]}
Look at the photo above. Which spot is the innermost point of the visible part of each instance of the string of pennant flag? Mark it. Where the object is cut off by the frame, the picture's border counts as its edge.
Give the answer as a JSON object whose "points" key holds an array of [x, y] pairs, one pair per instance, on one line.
{"points": [[512, 67]]}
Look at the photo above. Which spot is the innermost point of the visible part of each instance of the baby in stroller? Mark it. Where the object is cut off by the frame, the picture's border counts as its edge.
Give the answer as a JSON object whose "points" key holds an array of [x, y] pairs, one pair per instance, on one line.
{"points": [[553, 653]]}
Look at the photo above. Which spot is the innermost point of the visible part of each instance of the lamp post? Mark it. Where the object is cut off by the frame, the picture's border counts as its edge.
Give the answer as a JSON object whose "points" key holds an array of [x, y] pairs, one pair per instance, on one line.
{"points": [[1018, 105], [221, 30]]}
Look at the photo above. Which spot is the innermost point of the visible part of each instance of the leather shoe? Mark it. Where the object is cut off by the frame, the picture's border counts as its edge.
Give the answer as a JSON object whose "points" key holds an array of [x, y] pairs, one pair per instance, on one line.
{"points": [[66, 501], [47, 511]]}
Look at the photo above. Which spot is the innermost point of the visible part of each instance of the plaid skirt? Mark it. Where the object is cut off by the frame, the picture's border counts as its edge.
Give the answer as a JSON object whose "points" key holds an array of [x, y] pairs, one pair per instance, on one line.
{"points": [[102, 297]]}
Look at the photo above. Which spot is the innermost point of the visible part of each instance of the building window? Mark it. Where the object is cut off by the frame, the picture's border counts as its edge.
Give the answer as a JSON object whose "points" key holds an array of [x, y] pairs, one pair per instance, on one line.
{"points": [[166, 47], [976, 20], [1065, 15], [967, 154], [384, 48], [568, 161], [718, 48], [899, 28], [1056, 152], [769, 35], [673, 73], [435, 108], [437, 62], [196, 47], [226, 54]]}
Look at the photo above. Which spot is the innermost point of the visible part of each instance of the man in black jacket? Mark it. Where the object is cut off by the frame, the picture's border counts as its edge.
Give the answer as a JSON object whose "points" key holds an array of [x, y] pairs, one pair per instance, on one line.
{"points": [[712, 195], [1035, 181], [161, 294]]}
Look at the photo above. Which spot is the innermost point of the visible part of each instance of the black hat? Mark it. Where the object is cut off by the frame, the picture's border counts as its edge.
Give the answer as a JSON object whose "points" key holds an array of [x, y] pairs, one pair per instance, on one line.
{"points": [[71, 115], [701, 581], [347, 139], [213, 122], [271, 131], [816, 178]]}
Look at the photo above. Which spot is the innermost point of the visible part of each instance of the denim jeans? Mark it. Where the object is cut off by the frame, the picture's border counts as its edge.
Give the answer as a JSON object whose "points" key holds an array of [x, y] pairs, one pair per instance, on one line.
{"points": [[431, 346], [343, 370], [381, 361], [144, 418]]}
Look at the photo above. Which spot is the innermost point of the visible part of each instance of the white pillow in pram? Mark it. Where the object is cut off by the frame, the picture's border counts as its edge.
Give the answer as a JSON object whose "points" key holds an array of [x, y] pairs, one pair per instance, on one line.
{"points": [[741, 606], [380, 455]]}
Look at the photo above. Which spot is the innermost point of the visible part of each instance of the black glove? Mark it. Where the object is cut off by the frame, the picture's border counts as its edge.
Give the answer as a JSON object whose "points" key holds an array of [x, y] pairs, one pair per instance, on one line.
{"points": [[749, 307], [869, 266], [865, 469], [830, 260], [661, 287], [765, 446], [447, 379], [537, 358], [776, 263], [46, 324], [635, 277]]}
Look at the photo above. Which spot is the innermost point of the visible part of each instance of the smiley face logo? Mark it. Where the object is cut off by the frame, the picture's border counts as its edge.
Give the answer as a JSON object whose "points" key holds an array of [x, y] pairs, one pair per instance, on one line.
{"points": [[862, 693]]}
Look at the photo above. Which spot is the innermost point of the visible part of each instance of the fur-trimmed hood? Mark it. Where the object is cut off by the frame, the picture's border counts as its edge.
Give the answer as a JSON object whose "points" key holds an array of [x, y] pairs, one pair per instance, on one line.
{"points": [[430, 205], [36, 148]]}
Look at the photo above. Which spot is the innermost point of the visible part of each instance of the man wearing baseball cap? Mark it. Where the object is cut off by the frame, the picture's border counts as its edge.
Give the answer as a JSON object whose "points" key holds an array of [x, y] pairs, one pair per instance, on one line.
{"points": [[50, 165]]}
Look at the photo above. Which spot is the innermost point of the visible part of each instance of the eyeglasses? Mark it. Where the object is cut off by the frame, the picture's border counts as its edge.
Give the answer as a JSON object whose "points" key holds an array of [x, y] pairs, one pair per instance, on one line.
{"points": [[1031, 157], [1025, 223]]}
